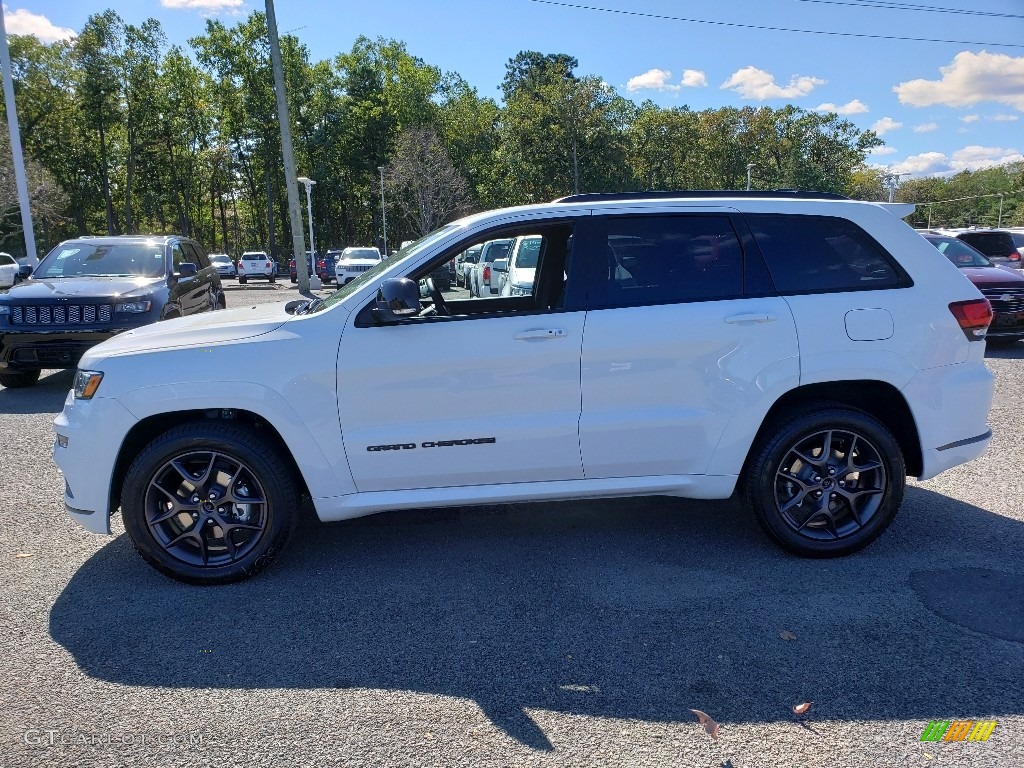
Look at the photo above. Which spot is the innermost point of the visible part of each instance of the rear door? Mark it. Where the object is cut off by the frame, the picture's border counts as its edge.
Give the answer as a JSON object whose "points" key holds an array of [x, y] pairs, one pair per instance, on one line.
{"points": [[683, 336]]}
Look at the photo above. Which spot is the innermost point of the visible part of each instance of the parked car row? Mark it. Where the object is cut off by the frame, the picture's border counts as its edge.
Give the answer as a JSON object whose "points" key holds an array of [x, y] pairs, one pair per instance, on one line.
{"points": [[1001, 246]]}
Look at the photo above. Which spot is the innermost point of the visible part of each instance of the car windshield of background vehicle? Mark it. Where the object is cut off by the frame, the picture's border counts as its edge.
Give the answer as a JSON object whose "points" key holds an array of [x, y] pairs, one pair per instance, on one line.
{"points": [[959, 252], [86, 260], [371, 274], [362, 253]]}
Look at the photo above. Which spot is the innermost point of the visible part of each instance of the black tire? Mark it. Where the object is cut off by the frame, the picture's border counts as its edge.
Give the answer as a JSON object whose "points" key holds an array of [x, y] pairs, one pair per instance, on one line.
{"points": [[295, 279], [19, 379], [247, 488], [825, 480], [273, 278], [243, 280]]}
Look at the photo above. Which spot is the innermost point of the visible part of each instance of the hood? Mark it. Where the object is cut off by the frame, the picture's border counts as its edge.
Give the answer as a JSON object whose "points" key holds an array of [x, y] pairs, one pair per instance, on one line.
{"points": [[994, 277], [194, 331], [94, 287], [356, 262]]}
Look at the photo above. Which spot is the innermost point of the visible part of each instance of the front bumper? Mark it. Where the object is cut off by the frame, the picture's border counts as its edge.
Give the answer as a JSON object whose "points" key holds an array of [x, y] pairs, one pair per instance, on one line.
{"points": [[89, 438], [32, 351]]}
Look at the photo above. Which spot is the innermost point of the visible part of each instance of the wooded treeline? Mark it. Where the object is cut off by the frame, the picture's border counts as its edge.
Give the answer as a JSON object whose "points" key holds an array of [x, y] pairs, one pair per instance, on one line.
{"points": [[124, 133]]}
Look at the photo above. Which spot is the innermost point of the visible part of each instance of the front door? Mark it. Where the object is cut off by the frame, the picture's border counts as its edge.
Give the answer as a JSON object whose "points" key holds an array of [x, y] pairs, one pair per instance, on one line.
{"points": [[487, 394]]}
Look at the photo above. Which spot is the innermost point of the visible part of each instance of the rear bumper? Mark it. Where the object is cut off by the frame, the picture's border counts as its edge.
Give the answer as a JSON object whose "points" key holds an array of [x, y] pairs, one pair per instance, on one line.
{"points": [[950, 405]]}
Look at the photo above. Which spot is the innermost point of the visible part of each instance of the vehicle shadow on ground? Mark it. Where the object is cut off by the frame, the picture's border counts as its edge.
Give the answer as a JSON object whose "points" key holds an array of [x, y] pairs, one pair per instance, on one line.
{"points": [[46, 396], [639, 609], [1005, 350]]}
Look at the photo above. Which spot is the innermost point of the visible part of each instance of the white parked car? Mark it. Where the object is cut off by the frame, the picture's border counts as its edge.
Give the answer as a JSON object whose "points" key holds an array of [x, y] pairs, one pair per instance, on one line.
{"points": [[517, 280], [8, 270], [353, 262], [802, 350], [256, 265]]}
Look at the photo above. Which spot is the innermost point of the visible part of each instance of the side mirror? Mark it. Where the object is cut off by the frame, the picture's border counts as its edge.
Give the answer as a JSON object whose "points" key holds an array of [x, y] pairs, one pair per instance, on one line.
{"points": [[186, 269], [500, 265], [24, 271], [397, 299]]}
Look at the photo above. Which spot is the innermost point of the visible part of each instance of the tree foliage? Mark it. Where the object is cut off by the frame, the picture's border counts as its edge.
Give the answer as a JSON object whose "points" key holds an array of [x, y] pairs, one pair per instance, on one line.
{"points": [[125, 133]]}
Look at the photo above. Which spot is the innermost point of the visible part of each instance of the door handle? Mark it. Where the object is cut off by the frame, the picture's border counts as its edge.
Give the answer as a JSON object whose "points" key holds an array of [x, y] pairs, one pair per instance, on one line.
{"points": [[540, 333], [751, 317]]}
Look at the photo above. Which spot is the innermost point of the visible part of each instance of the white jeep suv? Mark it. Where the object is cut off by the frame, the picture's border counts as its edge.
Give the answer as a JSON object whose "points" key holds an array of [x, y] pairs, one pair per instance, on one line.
{"points": [[805, 351]]}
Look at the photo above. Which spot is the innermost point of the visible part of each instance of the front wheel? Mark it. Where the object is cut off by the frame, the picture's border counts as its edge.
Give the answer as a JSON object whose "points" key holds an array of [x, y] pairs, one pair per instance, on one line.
{"points": [[827, 482], [209, 503], [19, 379], [242, 279]]}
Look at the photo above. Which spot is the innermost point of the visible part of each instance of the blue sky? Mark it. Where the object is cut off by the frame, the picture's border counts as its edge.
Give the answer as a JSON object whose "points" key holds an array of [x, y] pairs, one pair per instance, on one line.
{"points": [[940, 107]]}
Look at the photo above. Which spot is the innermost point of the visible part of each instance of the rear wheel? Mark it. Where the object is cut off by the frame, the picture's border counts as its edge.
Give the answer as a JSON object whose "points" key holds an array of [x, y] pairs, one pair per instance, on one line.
{"points": [[826, 482], [209, 503], [242, 279], [20, 379]]}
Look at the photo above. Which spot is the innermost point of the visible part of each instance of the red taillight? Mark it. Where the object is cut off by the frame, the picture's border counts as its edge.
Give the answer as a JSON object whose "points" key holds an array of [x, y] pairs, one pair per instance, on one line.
{"points": [[974, 317], [1013, 256], [487, 274], [267, 264]]}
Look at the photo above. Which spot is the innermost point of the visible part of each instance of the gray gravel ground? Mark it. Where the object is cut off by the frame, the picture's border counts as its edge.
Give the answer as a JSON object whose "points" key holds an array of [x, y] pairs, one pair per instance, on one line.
{"points": [[540, 635]]}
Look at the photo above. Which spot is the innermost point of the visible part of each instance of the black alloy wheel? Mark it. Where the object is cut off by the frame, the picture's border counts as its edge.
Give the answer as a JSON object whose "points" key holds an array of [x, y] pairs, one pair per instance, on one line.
{"points": [[826, 483], [209, 503]]}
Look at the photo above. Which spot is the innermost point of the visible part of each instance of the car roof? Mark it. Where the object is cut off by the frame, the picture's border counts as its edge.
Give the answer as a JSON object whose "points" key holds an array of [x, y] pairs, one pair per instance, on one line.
{"points": [[115, 239]]}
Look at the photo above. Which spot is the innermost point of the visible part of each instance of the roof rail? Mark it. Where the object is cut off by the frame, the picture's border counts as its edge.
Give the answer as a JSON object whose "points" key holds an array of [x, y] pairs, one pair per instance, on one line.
{"points": [[801, 194]]}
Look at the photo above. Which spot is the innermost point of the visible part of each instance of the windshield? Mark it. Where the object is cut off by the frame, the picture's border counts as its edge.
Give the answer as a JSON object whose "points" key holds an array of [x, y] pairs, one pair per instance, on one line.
{"points": [[959, 252], [528, 253], [103, 260], [219, 258], [361, 253], [371, 274]]}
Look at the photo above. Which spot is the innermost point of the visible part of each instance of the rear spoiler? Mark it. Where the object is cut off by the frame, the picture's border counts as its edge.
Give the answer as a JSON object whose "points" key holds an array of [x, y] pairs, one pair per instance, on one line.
{"points": [[899, 210]]}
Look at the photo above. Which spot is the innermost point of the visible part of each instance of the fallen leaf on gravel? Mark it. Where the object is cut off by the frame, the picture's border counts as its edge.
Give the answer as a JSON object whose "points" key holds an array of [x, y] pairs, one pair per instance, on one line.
{"points": [[787, 635], [802, 708], [709, 724], [24, 554]]}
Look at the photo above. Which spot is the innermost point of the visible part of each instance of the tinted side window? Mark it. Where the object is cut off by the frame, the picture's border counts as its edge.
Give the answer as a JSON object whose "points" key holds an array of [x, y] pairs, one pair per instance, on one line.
{"points": [[197, 254], [808, 254], [665, 259], [177, 256]]}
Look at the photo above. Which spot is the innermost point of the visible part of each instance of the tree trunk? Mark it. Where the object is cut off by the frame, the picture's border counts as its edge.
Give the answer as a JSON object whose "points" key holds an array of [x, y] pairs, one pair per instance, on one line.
{"points": [[111, 221]]}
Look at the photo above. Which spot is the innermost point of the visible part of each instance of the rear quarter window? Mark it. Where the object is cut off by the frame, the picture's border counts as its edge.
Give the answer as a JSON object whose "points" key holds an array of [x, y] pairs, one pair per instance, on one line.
{"points": [[822, 254]]}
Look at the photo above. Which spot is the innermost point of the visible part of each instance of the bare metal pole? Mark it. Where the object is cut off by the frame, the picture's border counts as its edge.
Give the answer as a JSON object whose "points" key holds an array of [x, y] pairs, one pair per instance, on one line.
{"points": [[383, 212], [290, 179], [16, 153]]}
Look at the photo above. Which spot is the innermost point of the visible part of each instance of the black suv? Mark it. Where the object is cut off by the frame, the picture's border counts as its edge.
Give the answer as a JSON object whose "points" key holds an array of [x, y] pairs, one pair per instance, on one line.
{"points": [[88, 289], [997, 244]]}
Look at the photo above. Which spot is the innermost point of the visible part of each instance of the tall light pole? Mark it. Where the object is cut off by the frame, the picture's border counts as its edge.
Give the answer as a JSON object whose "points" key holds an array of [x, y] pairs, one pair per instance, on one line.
{"points": [[17, 157], [383, 212], [750, 167], [1000, 224], [314, 278]]}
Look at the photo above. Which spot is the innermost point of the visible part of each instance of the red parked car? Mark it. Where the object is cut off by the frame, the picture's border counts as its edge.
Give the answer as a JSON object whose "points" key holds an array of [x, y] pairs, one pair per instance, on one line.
{"points": [[1002, 286]]}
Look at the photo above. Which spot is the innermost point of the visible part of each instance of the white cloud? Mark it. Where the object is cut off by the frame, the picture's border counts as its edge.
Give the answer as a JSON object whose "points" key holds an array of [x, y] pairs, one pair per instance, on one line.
{"points": [[883, 150], [1004, 118], [885, 125], [855, 107], [694, 78], [754, 83], [651, 80], [212, 6], [970, 118], [926, 128], [974, 157], [23, 22], [972, 78], [925, 163], [971, 158]]}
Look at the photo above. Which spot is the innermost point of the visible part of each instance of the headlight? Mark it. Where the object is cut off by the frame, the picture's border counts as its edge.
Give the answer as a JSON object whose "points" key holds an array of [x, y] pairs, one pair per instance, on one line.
{"points": [[5, 309], [521, 290], [134, 306], [86, 384]]}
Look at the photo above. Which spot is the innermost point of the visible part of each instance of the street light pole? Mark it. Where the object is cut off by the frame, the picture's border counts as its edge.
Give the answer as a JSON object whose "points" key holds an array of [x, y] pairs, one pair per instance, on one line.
{"points": [[749, 168], [314, 278], [17, 157], [1000, 224], [383, 212]]}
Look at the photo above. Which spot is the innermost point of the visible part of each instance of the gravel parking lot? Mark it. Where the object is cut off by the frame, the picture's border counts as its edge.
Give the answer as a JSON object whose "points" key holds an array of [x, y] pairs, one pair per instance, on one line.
{"points": [[558, 634]]}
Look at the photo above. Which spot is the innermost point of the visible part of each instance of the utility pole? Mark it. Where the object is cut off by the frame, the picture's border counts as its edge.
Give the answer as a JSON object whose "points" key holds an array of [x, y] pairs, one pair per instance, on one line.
{"points": [[290, 179], [383, 213], [750, 167], [16, 153], [891, 181], [1000, 224]]}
